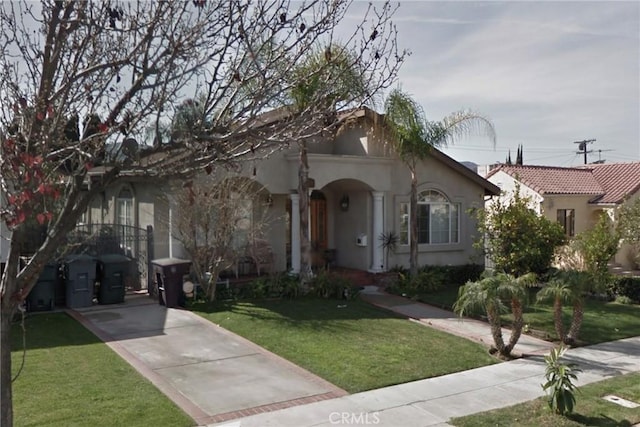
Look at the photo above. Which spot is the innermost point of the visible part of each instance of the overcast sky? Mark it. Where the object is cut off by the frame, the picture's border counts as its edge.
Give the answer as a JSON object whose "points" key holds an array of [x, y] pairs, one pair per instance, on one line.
{"points": [[546, 73]]}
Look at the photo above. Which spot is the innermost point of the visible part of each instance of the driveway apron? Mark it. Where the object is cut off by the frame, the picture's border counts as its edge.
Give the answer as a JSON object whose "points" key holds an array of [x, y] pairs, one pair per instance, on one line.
{"points": [[211, 373]]}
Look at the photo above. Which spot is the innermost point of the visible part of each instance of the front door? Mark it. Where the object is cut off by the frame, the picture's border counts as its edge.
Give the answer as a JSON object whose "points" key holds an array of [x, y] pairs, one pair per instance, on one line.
{"points": [[318, 224]]}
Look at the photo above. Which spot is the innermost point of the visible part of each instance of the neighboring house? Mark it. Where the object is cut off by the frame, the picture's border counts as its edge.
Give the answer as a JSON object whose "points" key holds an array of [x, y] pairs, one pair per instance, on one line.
{"points": [[360, 191], [575, 197]]}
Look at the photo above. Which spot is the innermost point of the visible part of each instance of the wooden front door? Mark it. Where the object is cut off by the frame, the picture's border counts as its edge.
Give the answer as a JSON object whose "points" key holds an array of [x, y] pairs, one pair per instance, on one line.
{"points": [[318, 225]]}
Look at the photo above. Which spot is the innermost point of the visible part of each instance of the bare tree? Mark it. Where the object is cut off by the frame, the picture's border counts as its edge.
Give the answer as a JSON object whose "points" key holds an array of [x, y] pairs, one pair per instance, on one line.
{"points": [[76, 78], [215, 219]]}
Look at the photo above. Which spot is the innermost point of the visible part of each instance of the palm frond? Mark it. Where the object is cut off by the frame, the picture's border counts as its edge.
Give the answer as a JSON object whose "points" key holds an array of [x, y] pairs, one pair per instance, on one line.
{"points": [[459, 124]]}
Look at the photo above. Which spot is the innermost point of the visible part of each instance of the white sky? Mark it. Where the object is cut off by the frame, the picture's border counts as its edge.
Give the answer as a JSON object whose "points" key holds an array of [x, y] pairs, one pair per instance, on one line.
{"points": [[546, 73]]}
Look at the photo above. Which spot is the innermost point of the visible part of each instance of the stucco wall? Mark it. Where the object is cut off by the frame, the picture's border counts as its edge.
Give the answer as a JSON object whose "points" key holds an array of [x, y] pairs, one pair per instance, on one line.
{"points": [[584, 213], [459, 189]]}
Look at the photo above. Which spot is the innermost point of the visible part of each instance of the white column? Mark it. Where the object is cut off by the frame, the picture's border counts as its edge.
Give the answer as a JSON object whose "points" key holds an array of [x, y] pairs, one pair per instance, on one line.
{"points": [[377, 263], [295, 233]]}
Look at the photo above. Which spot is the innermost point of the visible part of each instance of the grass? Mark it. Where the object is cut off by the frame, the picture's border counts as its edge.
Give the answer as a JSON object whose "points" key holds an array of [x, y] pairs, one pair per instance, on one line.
{"points": [[350, 344], [603, 321], [70, 378], [590, 410]]}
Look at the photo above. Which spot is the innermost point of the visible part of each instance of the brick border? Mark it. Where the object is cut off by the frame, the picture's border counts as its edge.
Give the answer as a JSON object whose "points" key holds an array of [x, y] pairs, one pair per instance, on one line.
{"points": [[228, 416], [191, 409]]}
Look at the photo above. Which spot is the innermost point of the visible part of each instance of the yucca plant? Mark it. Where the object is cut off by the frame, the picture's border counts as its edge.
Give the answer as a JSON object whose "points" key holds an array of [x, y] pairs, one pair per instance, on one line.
{"points": [[560, 377]]}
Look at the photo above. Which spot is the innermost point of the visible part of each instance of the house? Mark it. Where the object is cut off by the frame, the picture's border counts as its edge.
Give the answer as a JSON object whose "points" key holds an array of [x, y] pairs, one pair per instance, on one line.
{"points": [[575, 197], [360, 190]]}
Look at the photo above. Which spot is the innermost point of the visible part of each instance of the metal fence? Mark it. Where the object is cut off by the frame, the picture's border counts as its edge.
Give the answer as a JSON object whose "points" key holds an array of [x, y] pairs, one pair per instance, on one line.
{"points": [[108, 239]]}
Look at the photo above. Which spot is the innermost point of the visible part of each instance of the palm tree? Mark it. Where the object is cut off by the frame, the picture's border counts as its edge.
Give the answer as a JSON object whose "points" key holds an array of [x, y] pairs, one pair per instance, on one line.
{"points": [[494, 295], [331, 76], [560, 293], [568, 287], [414, 136]]}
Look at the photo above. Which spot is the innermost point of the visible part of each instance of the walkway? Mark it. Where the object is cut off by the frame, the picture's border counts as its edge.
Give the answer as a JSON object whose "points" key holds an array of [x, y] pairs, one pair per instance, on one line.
{"points": [[434, 401], [219, 378], [212, 374], [447, 321]]}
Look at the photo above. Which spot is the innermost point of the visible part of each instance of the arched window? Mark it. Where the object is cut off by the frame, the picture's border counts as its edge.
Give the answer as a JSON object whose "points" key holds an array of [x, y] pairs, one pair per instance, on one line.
{"points": [[438, 219]]}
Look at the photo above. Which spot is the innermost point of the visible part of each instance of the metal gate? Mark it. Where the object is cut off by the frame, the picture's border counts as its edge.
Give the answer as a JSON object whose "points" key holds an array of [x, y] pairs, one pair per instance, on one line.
{"points": [[107, 239]]}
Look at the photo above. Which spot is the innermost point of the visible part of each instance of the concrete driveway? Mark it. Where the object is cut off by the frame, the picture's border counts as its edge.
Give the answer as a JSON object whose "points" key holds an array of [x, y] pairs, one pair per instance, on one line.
{"points": [[212, 374]]}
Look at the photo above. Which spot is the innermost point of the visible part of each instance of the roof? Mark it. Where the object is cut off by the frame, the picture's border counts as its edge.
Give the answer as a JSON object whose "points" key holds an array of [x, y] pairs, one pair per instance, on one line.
{"points": [[490, 189], [609, 183], [618, 180], [552, 179]]}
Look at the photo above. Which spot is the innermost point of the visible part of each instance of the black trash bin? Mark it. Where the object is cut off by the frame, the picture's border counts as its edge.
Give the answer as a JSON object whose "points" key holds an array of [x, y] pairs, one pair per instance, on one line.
{"points": [[168, 274], [79, 277], [113, 270], [43, 295]]}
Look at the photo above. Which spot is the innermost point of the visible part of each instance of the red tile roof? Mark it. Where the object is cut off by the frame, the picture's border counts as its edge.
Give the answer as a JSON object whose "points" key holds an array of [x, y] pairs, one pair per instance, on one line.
{"points": [[618, 180], [610, 183], [553, 180]]}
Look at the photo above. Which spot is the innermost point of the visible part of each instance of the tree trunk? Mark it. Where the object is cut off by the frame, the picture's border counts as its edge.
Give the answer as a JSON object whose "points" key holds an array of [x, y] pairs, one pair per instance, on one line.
{"points": [[518, 324], [557, 319], [496, 329], [413, 225], [303, 192], [6, 402], [576, 322]]}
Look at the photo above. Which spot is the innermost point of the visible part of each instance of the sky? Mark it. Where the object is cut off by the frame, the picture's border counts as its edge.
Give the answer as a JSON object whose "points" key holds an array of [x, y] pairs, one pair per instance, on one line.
{"points": [[546, 74]]}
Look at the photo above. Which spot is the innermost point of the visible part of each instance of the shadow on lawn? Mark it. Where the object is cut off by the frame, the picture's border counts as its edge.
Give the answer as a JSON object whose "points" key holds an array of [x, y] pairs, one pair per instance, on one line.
{"points": [[310, 312], [49, 330], [601, 421]]}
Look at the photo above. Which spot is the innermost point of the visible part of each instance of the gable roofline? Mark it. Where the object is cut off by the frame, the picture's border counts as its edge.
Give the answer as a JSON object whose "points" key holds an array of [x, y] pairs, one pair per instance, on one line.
{"points": [[490, 189]]}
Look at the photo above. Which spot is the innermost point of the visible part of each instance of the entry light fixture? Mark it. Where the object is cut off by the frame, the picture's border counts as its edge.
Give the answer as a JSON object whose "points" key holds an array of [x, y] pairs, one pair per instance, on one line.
{"points": [[344, 203]]}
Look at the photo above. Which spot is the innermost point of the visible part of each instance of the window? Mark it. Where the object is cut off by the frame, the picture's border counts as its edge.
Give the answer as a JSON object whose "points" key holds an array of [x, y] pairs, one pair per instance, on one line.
{"points": [[124, 218], [124, 208], [567, 219], [438, 219]]}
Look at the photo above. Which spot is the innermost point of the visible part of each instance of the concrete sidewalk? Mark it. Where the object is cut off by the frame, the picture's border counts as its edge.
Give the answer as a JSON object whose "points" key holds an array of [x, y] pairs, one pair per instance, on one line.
{"points": [[447, 321], [434, 401], [209, 372], [219, 378]]}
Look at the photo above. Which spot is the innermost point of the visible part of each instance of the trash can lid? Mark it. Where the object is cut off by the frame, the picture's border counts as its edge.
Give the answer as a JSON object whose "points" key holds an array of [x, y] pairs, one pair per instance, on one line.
{"points": [[79, 257], [113, 258], [170, 261]]}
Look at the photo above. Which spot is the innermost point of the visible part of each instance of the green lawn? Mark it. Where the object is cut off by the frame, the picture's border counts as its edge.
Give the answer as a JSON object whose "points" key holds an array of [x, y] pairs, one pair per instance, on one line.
{"points": [[71, 378], [590, 410], [350, 344], [603, 321]]}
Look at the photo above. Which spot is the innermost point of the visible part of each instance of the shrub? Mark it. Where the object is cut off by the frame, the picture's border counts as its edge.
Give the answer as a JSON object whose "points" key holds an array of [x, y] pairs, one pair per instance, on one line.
{"points": [[560, 379], [432, 278], [628, 287], [597, 246], [516, 238], [621, 299], [331, 285]]}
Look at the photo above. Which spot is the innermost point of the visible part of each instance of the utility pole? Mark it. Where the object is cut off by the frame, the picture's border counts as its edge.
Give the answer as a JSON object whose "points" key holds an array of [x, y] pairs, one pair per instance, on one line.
{"points": [[582, 147]]}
